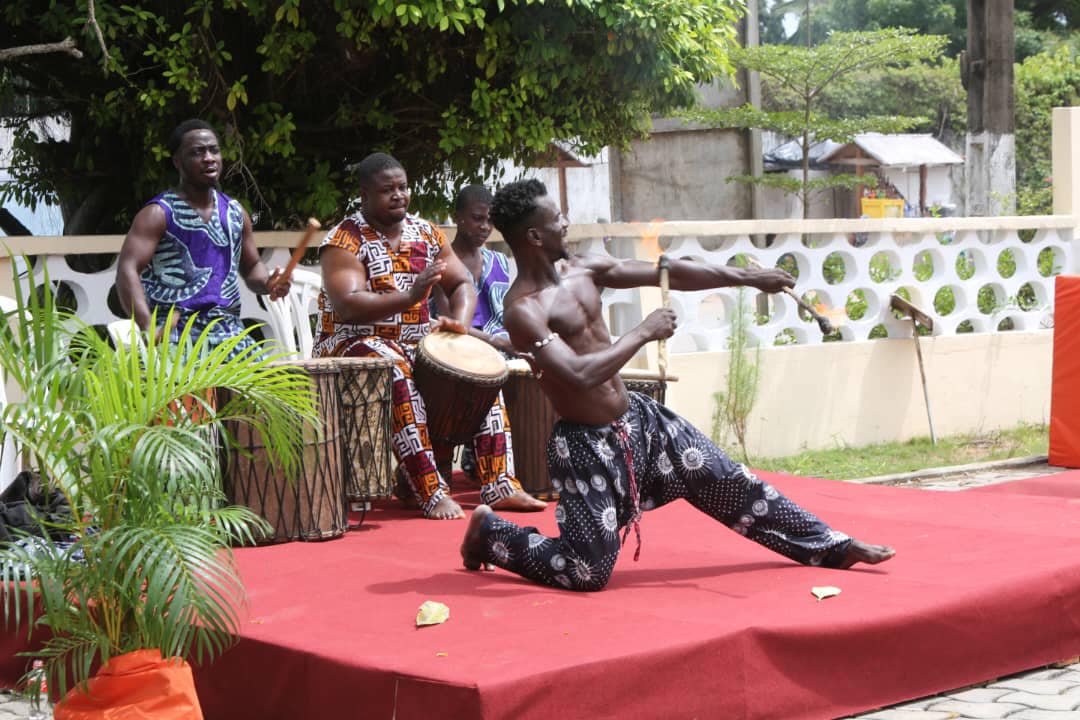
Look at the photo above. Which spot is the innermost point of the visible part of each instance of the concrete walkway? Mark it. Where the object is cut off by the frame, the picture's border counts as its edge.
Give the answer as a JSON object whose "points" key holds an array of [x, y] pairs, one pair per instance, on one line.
{"points": [[1051, 693]]}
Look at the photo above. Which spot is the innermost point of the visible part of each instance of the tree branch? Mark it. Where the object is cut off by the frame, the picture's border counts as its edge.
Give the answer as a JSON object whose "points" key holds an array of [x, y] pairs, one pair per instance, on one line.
{"points": [[67, 45], [91, 20]]}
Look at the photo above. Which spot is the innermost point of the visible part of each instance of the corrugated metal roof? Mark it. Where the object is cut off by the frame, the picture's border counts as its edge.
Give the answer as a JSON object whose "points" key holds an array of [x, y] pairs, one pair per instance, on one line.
{"points": [[899, 150]]}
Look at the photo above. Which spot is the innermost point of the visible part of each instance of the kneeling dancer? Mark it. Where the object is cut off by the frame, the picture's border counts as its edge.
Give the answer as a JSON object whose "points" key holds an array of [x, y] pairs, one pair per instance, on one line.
{"points": [[616, 454]]}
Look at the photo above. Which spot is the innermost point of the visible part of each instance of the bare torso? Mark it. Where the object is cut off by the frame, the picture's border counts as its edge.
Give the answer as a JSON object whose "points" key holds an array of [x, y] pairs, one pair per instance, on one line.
{"points": [[574, 311]]}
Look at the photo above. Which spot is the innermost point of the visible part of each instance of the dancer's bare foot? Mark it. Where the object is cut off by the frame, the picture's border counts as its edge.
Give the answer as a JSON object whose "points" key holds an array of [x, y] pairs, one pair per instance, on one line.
{"points": [[860, 552], [445, 509], [471, 552], [520, 501]]}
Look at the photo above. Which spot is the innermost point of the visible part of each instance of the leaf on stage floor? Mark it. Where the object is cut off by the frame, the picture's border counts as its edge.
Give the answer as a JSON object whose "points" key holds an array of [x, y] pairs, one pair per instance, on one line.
{"points": [[432, 613], [824, 591]]}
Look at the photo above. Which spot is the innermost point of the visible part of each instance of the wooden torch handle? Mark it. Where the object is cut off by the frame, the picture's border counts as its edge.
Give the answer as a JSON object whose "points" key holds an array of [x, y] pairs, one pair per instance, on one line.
{"points": [[309, 232], [664, 266]]}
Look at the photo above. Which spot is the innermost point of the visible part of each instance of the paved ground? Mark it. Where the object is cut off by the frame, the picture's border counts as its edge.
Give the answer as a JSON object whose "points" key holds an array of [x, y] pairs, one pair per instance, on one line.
{"points": [[1051, 693]]}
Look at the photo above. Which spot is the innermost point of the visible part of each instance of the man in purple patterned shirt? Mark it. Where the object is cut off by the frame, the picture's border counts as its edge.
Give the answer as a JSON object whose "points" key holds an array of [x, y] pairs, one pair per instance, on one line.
{"points": [[189, 247]]}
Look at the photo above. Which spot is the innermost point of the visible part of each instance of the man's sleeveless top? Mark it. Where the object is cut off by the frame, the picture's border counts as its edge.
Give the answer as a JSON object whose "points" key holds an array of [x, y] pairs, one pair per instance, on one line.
{"points": [[491, 289], [196, 266], [387, 271]]}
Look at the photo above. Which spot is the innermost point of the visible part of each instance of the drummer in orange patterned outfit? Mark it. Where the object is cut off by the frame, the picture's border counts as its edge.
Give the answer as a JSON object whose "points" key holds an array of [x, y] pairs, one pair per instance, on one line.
{"points": [[378, 266]]}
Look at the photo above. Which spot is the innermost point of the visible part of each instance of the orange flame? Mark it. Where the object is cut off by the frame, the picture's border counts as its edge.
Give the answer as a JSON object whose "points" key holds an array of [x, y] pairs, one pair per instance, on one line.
{"points": [[837, 316], [650, 240]]}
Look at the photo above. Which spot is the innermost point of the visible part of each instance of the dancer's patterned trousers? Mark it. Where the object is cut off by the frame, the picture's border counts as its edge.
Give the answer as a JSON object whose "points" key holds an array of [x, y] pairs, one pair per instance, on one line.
{"points": [[671, 460], [412, 445]]}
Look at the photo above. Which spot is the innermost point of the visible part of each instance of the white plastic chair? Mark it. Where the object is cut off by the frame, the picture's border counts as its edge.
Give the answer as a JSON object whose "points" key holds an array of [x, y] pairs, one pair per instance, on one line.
{"points": [[121, 332], [9, 454], [290, 316]]}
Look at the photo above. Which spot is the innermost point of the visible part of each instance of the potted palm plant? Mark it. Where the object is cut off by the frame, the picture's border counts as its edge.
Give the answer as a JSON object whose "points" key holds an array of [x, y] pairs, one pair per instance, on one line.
{"points": [[143, 563]]}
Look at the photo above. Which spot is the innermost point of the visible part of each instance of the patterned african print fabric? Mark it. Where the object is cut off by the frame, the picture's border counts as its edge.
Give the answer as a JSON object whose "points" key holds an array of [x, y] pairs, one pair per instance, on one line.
{"points": [[491, 288], [421, 242], [671, 460], [412, 445], [196, 267], [396, 338]]}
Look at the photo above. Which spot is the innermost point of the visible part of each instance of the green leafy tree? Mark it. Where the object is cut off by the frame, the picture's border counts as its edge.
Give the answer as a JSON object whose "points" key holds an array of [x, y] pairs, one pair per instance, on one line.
{"points": [[772, 18], [931, 90], [1043, 82], [299, 93], [1055, 15], [798, 78], [927, 17]]}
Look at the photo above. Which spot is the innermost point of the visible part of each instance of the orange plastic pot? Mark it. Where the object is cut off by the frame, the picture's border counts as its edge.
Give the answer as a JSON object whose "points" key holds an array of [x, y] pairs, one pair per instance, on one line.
{"points": [[138, 685]]}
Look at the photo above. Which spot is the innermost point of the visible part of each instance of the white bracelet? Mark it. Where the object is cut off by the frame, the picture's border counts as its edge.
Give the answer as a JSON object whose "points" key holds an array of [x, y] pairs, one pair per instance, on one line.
{"points": [[546, 341]]}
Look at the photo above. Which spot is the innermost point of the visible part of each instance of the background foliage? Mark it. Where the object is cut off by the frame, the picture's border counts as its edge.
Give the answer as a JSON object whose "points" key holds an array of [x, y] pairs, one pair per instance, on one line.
{"points": [[301, 92], [1046, 47], [797, 79]]}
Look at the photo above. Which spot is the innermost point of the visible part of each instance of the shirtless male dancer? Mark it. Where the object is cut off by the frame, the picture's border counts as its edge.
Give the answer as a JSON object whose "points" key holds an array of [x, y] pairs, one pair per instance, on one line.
{"points": [[614, 454]]}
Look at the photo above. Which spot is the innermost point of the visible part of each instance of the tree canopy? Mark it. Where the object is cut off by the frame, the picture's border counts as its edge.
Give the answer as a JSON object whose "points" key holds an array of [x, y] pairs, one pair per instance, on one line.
{"points": [[798, 79], [1043, 82], [299, 93], [1035, 20]]}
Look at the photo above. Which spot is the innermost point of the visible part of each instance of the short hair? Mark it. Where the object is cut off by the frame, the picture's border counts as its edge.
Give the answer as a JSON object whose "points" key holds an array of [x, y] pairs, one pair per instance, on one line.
{"points": [[471, 194], [514, 203], [176, 138], [374, 164]]}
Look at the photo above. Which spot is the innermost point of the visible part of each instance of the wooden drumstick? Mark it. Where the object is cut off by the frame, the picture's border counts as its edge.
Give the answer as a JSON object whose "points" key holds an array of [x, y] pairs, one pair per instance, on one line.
{"points": [[664, 265], [824, 324], [309, 232]]}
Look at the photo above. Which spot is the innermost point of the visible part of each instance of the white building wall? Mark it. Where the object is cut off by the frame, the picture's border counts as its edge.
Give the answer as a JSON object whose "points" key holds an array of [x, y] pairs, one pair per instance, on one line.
{"points": [[45, 219], [588, 189]]}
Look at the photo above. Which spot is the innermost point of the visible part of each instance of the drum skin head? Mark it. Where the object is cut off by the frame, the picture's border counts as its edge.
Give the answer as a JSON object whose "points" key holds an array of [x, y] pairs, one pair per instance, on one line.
{"points": [[464, 353]]}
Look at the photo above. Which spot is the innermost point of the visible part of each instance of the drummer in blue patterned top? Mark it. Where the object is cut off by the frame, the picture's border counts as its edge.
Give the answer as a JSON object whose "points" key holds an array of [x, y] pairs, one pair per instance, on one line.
{"points": [[189, 247], [379, 266]]}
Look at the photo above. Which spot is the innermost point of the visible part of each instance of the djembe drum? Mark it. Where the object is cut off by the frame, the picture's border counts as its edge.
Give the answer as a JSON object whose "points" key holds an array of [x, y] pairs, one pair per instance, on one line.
{"points": [[310, 505], [532, 417], [459, 377], [365, 401]]}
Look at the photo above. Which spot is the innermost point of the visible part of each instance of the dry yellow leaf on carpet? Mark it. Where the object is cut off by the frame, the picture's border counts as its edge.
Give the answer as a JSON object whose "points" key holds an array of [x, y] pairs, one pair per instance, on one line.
{"points": [[824, 591], [432, 613]]}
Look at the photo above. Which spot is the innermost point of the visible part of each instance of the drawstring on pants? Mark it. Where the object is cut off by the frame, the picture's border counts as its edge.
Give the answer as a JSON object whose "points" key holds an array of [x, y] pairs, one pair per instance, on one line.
{"points": [[635, 515]]}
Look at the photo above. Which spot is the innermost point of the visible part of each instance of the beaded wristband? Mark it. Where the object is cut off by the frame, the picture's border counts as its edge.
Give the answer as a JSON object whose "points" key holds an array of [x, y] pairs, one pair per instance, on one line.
{"points": [[546, 341]]}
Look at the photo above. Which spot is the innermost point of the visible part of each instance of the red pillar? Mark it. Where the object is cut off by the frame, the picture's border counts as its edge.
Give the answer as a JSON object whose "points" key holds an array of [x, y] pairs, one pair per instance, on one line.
{"points": [[1065, 382]]}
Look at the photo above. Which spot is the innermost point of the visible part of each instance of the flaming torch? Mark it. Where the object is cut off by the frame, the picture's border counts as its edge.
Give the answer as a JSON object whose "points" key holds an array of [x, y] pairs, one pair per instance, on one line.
{"points": [[818, 312]]}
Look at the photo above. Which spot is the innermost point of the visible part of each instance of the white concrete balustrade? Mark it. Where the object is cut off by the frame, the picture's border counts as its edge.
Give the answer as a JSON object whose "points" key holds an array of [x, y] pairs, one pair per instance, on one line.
{"points": [[870, 260]]}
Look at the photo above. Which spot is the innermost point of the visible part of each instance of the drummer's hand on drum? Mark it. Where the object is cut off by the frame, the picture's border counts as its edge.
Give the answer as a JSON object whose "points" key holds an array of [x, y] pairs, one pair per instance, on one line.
{"points": [[447, 324], [425, 279]]}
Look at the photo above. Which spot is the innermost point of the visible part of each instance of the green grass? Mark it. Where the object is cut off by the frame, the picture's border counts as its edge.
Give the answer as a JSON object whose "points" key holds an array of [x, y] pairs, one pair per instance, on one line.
{"points": [[918, 454]]}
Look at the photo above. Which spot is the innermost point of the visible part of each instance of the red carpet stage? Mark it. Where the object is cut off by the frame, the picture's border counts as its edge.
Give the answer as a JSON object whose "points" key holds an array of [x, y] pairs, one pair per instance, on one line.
{"points": [[706, 625]]}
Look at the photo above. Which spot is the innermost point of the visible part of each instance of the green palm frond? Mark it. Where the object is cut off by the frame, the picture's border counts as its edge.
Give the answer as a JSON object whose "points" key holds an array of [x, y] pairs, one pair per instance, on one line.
{"points": [[132, 437], [186, 582], [73, 653]]}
